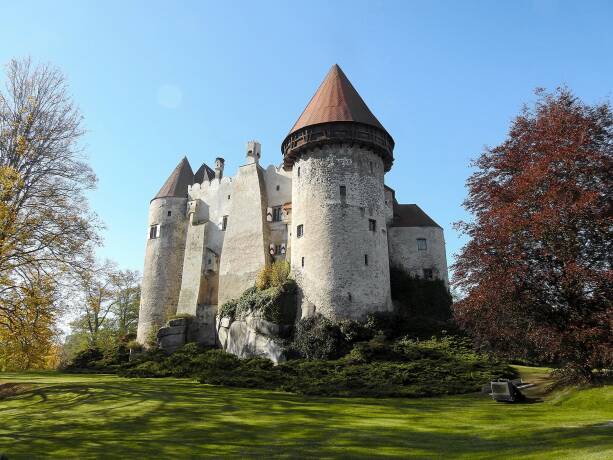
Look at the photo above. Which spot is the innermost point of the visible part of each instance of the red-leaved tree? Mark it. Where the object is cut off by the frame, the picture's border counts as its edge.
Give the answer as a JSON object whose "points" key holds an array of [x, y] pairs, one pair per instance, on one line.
{"points": [[536, 273]]}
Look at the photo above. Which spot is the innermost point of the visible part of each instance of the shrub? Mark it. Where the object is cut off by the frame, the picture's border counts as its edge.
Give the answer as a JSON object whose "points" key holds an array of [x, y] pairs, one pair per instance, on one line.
{"points": [[276, 304], [279, 273], [85, 359], [316, 337], [262, 279], [133, 345]]}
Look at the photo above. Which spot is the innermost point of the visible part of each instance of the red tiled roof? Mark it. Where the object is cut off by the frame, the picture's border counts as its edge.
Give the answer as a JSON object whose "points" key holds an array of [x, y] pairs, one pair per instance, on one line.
{"points": [[176, 185], [336, 100]]}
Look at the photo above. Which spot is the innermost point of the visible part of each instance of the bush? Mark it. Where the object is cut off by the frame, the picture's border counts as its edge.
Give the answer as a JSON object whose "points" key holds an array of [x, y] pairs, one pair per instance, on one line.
{"points": [[85, 359], [134, 346], [279, 273], [316, 337], [407, 368], [262, 279], [97, 360], [276, 304]]}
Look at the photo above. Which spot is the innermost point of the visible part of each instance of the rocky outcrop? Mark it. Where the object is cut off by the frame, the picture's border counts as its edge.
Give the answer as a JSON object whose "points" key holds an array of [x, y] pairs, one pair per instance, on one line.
{"points": [[174, 335], [252, 336]]}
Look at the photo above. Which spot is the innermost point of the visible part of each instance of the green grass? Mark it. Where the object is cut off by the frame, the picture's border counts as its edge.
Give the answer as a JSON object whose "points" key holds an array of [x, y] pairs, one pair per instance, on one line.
{"points": [[104, 416]]}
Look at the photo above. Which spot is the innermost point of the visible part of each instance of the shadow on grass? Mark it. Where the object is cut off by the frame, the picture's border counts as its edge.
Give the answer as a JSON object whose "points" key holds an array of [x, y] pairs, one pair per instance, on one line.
{"points": [[110, 417]]}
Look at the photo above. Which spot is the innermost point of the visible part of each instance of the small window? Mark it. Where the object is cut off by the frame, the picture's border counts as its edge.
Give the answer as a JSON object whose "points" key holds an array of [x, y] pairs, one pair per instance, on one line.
{"points": [[278, 188], [371, 170], [343, 192], [229, 197], [276, 214], [298, 171], [422, 245], [224, 223], [169, 213], [299, 231], [372, 225], [365, 259], [428, 275], [302, 262], [154, 232]]}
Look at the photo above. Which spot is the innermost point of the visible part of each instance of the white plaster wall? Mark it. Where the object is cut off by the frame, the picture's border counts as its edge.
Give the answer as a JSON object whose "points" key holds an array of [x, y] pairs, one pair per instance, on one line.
{"points": [[277, 177], [335, 280], [247, 237], [403, 250], [163, 265]]}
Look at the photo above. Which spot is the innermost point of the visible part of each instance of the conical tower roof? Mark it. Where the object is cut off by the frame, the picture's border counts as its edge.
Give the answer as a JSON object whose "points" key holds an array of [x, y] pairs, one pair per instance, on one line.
{"points": [[336, 100], [176, 185], [337, 114]]}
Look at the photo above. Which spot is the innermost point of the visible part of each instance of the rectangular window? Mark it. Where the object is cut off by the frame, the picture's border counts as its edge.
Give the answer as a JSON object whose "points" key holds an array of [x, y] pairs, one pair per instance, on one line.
{"points": [[224, 223], [298, 171], [428, 275], [371, 171], [422, 245], [365, 259], [169, 213], [372, 225], [302, 262], [276, 214], [154, 232], [343, 192], [299, 231]]}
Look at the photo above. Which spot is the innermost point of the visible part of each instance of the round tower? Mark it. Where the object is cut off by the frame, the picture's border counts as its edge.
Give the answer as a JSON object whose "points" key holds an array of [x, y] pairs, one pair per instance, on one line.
{"points": [[338, 153], [164, 252]]}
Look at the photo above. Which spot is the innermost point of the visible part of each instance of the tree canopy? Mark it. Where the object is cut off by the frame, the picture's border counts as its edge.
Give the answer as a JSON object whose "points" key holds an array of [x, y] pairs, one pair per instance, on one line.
{"points": [[536, 273]]}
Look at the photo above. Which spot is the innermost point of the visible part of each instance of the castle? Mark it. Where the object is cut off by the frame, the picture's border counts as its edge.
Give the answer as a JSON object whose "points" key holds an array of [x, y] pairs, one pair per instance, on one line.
{"points": [[326, 210]]}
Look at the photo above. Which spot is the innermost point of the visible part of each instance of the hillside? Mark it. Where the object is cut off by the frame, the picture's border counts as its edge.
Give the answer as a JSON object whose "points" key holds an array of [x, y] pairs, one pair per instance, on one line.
{"points": [[105, 416]]}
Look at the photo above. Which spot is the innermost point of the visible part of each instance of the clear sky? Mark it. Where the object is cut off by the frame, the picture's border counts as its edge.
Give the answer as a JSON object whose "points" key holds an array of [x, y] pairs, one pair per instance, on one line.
{"points": [[159, 80]]}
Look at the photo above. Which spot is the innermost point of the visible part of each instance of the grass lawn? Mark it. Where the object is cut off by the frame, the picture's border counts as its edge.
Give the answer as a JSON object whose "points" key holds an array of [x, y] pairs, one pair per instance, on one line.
{"points": [[105, 416]]}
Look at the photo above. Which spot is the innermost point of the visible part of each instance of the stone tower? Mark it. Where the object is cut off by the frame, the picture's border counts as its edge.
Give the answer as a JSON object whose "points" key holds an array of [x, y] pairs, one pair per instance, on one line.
{"points": [[164, 252], [338, 153]]}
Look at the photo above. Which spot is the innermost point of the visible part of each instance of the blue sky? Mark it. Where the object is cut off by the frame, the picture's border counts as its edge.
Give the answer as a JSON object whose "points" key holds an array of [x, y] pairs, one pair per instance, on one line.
{"points": [[159, 80]]}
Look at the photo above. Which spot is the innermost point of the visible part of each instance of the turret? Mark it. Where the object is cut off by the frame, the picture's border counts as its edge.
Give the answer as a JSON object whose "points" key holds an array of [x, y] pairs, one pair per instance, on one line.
{"points": [[164, 252], [254, 150], [219, 164], [338, 153]]}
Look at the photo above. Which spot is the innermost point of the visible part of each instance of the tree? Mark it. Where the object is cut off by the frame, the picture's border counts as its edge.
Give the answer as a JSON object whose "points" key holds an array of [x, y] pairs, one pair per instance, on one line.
{"points": [[536, 272], [45, 224], [106, 301], [97, 297], [127, 292]]}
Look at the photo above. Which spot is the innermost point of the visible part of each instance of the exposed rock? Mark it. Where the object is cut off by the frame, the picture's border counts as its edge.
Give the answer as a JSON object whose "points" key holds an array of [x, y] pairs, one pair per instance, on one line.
{"points": [[252, 336]]}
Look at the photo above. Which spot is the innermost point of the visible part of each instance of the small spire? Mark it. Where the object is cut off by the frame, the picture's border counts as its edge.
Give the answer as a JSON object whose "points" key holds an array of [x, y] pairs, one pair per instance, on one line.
{"points": [[178, 181]]}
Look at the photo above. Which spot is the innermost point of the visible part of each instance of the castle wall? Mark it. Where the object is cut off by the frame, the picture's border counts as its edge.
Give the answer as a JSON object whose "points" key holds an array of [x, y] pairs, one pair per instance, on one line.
{"points": [[278, 183], [194, 265], [404, 252], [245, 245], [163, 265], [335, 280]]}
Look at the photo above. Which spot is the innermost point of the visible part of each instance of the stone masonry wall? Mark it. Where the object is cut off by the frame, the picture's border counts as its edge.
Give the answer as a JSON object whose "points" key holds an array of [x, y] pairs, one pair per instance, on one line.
{"points": [[404, 252], [335, 280], [163, 265]]}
